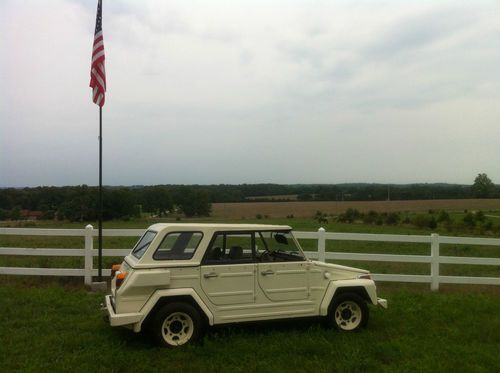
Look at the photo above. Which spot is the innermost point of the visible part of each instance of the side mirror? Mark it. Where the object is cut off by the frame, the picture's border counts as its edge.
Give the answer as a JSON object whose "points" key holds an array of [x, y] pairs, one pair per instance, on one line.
{"points": [[280, 238]]}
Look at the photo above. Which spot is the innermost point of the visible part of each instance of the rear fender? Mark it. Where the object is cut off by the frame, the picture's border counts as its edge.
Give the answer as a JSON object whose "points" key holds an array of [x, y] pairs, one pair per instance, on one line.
{"points": [[168, 293]]}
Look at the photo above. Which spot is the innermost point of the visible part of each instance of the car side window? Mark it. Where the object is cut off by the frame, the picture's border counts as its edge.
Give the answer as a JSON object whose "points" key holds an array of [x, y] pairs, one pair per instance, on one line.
{"points": [[230, 248], [178, 246]]}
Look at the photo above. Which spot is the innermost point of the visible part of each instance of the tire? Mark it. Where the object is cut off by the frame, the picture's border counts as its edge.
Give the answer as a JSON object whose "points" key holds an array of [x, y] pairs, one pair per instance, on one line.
{"points": [[348, 312], [176, 324]]}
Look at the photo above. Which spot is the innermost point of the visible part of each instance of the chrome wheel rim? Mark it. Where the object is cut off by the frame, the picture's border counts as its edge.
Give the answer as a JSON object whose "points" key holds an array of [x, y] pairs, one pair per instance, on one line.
{"points": [[177, 328], [348, 315]]}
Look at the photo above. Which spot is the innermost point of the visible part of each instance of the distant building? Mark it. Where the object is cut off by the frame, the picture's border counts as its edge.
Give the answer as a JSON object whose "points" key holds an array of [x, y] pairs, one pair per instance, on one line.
{"points": [[30, 215]]}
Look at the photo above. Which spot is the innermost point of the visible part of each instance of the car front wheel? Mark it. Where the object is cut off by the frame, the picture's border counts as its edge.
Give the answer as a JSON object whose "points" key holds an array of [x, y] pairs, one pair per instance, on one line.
{"points": [[176, 324], [348, 312]]}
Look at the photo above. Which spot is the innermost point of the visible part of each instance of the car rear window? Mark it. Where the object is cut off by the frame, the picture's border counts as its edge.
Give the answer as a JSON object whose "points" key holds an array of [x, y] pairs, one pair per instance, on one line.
{"points": [[143, 244], [178, 246]]}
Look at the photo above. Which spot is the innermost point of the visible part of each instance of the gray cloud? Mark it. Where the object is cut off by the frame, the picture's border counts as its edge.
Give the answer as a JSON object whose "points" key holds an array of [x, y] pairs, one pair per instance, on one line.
{"points": [[420, 31], [252, 92]]}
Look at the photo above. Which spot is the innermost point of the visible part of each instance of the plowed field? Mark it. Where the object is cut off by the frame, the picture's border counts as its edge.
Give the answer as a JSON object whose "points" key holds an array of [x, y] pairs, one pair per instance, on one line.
{"points": [[308, 209]]}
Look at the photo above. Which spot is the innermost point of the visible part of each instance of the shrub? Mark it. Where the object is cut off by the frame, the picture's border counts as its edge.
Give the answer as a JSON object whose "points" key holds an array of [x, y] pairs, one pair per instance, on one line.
{"points": [[4, 214], [488, 225], [371, 217], [469, 220], [479, 216], [321, 217], [422, 221], [258, 216], [443, 217], [392, 218], [350, 215]]}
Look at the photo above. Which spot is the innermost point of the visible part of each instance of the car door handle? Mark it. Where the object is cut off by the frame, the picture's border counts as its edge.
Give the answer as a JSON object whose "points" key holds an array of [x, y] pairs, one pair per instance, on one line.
{"points": [[211, 274], [267, 273]]}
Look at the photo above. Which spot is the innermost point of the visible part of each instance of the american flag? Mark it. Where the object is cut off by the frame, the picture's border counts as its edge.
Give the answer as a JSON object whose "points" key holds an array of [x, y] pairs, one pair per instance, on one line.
{"points": [[97, 71]]}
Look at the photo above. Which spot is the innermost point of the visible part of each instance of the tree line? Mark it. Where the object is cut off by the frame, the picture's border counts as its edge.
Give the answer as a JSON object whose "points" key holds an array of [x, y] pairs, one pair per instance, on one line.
{"points": [[80, 203]]}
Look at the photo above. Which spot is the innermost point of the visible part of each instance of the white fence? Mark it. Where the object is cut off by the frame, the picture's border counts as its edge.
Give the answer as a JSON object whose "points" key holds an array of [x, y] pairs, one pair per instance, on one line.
{"points": [[87, 252], [434, 259]]}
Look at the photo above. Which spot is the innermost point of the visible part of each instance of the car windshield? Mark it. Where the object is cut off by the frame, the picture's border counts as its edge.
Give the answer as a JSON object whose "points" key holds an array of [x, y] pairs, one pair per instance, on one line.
{"points": [[143, 244], [279, 242]]}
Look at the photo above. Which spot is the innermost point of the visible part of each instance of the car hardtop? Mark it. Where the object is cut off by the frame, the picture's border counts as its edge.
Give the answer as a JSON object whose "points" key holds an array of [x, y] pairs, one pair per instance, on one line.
{"points": [[216, 227], [161, 230]]}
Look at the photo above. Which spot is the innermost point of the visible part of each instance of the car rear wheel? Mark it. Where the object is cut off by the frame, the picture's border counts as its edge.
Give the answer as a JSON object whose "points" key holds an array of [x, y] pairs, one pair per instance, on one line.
{"points": [[348, 312], [176, 324]]}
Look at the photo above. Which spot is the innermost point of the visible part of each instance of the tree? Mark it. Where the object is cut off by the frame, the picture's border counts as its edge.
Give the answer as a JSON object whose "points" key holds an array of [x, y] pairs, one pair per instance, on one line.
{"points": [[193, 202], [443, 217], [119, 204], [483, 187], [4, 214], [321, 217], [157, 200], [15, 213], [78, 204]]}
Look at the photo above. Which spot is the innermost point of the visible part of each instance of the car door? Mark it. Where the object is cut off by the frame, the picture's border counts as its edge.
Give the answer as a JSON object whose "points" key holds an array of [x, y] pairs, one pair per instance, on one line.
{"points": [[228, 269], [283, 281], [282, 273]]}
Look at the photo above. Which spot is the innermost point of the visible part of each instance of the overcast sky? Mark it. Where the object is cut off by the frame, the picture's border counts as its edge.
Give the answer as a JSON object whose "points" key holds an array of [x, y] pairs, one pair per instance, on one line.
{"points": [[213, 92]]}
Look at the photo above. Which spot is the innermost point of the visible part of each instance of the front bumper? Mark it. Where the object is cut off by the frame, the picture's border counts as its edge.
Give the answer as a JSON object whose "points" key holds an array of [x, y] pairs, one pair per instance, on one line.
{"points": [[114, 319], [382, 302]]}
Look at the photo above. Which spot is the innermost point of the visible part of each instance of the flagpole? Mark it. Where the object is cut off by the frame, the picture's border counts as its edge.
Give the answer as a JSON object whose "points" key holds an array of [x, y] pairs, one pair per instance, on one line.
{"points": [[98, 85], [100, 194]]}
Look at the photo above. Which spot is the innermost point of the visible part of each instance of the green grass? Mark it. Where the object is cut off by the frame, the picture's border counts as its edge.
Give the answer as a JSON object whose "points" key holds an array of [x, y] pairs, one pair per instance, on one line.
{"points": [[53, 324], [56, 328]]}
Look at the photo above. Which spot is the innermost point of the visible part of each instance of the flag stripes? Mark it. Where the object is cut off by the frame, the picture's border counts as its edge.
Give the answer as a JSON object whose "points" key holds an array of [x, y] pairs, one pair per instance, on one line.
{"points": [[97, 69]]}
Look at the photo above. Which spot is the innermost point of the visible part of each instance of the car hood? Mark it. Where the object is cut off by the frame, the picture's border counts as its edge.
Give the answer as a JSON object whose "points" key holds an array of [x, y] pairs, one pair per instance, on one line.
{"points": [[338, 267]]}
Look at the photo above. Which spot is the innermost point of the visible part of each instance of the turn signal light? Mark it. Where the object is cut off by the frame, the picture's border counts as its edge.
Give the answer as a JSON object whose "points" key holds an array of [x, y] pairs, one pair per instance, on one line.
{"points": [[365, 276], [115, 268], [120, 277]]}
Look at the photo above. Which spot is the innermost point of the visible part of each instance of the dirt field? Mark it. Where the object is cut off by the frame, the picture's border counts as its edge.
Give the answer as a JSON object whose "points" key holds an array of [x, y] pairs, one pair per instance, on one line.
{"points": [[308, 209]]}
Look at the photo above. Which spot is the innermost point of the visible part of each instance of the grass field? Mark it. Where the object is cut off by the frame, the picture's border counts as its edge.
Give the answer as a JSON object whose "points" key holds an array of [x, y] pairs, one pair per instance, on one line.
{"points": [[54, 324], [56, 328]]}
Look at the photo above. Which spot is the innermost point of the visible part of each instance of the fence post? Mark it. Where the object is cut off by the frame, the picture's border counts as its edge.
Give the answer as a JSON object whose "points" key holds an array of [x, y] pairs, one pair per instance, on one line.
{"points": [[321, 244], [434, 262], [89, 247]]}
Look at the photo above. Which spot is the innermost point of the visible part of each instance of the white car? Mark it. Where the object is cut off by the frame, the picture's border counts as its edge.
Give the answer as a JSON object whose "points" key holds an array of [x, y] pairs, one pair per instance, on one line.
{"points": [[179, 278]]}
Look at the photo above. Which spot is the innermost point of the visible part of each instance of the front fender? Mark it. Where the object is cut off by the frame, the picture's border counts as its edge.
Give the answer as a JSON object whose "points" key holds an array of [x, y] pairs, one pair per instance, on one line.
{"points": [[334, 286]]}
